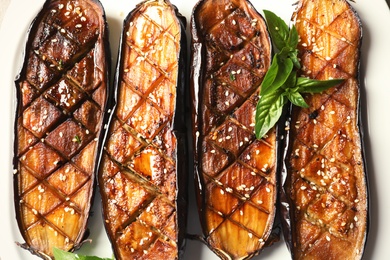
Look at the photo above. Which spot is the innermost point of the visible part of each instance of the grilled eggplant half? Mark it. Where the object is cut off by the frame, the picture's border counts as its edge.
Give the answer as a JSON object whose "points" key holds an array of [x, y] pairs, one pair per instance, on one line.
{"points": [[61, 98], [235, 173], [143, 172], [325, 187]]}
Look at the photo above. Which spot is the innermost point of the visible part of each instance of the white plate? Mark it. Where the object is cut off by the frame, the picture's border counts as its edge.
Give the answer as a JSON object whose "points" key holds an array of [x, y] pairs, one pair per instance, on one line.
{"points": [[375, 72]]}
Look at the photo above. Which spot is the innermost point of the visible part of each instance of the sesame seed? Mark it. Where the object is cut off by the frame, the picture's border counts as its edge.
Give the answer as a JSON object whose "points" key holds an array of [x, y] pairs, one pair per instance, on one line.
{"points": [[303, 187], [248, 157], [268, 190], [212, 151], [78, 25], [253, 173], [234, 22], [241, 212], [355, 218], [328, 238], [228, 137], [332, 160], [328, 58], [60, 6], [230, 129], [227, 93], [222, 192], [250, 235]]}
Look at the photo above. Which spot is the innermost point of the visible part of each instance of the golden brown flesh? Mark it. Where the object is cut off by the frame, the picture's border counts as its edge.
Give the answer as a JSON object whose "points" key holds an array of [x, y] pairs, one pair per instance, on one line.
{"points": [[142, 159], [326, 172], [61, 98], [235, 172]]}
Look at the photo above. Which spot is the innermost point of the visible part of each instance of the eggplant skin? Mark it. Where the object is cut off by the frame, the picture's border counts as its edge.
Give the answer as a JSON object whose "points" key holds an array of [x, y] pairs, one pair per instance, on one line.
{"points": [[235, 173], [324, 187], [143, 172], [61, 97]]}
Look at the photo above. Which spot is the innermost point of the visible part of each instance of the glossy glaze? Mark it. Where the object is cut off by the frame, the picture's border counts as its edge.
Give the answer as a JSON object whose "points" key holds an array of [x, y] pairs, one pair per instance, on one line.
{"points": [[235, 173], [61, 94], [326, 184], [143, 170]]}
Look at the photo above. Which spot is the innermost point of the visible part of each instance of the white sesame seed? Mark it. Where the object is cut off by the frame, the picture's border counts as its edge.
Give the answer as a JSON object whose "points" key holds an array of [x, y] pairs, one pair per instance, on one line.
{"points": [[328, 58], [250, 235], [268, 190], [78, 25], [303, 187], [228, 137], [212, 151], [328, 238], [222, 192]]}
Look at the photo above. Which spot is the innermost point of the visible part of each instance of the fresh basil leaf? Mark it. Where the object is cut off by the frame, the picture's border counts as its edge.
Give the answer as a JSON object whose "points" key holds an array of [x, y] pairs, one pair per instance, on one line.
{"points": [[63, 255], [293, 55], [277, 74], [278, 29], [306, 85], [268, 111], [293, 37], [297, 99]]}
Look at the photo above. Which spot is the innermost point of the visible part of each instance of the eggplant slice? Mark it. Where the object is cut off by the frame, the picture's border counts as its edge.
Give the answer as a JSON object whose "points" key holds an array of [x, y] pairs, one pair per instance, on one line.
{"points": [[61, 97], [143, 171], [235, 173], [325, 182]]}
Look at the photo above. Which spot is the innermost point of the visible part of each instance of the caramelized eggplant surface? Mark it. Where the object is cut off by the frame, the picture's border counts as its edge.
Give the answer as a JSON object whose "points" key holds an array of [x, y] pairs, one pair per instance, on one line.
{"points": [[61, 97], [144, 163], [235, 173], [325, 185]]}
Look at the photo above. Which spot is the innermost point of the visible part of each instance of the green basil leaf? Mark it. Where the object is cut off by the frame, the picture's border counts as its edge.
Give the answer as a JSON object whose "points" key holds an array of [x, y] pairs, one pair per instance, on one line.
{"points": [[63, 255], [277, 74], [293, 37], [268, 111], [306, 85], [278, 29], [294, 58], [297, 99]]}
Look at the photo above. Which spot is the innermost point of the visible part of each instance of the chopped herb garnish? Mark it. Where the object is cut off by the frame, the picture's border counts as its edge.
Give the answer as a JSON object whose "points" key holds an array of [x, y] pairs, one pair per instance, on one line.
{"points": [[281, 83], [232, 77], [77, 139], [60, 64]]}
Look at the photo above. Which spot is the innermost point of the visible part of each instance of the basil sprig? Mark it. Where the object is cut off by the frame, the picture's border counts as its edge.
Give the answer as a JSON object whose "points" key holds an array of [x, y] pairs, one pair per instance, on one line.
{"points": [[281, 83], [63, 255]]}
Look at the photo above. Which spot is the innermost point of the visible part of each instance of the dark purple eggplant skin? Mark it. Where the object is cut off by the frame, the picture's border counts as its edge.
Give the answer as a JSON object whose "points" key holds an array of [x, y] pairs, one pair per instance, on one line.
{"points": [[178, 127], [287, 208], [103, 53]]}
